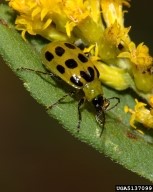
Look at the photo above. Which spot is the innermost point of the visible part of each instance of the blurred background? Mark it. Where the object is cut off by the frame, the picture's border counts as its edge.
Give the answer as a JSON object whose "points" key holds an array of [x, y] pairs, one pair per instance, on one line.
{"points": [[37, 154]]}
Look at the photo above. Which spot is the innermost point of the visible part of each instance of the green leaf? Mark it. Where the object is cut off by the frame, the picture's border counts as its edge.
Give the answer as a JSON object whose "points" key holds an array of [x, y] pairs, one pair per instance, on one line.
{"points": [[129, 148]]}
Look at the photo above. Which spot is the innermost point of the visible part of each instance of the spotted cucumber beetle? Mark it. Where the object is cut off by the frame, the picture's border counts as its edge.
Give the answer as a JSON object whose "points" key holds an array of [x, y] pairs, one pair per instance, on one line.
{"points": [[67, 62], [70, 64]]}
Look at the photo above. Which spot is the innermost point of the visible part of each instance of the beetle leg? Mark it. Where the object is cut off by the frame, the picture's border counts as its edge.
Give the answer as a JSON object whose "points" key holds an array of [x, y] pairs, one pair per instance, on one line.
{"points": [[81, 102]]}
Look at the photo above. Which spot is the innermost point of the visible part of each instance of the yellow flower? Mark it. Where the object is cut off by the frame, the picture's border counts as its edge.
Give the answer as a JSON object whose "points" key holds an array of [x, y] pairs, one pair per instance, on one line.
{"points": [[36, 17], [23, 6], [44, 17], [82, 17], [141, 65], [76, 11], [112, 11], [143, 79], [116, 34], [59, 18], [138, 55], [120, 80], [140, 114], [114, 37]]}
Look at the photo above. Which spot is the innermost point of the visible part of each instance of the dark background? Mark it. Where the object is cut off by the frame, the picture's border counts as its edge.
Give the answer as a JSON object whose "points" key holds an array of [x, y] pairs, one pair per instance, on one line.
{"points": [[37, 154]]}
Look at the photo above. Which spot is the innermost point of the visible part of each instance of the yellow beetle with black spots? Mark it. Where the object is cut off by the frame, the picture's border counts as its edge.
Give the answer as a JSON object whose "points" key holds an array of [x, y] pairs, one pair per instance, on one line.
{"points": [[68, 62]]}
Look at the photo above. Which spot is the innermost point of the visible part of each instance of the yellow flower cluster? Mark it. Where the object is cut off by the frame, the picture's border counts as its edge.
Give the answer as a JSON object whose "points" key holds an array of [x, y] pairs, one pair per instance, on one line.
{"points": [[68, 17], [141, 66], [112, 11], [138, 55], [100, 23], [140, 114], [53, 19]]}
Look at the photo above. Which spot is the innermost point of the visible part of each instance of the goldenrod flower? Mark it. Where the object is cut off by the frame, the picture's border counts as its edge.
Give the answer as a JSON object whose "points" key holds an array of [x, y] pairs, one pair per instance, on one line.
{"points": [[139, 55], [42, 16], [143, 80], [69, 20], [114, 77], [115, 34], [141, 65], [140, 114], [112, 11]]}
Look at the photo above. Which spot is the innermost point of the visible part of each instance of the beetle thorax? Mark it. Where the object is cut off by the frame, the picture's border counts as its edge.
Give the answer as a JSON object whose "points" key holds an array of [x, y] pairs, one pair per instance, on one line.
{"points": [[93, 89]]}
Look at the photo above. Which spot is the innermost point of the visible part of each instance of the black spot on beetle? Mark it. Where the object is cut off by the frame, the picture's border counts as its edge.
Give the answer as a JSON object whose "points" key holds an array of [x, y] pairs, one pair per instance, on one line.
{"points": [[89, 75], [70, 46], [60, 69], [91, 72], [82, 58], [97, 71], [59, 51], [71, 63], [49, 56], [76, 81]]}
